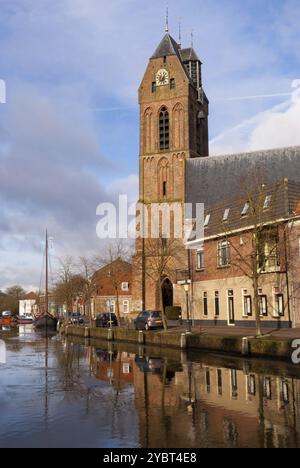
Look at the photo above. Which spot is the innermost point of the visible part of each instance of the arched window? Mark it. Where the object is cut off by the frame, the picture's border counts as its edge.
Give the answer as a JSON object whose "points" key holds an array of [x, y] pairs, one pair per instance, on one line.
{"points": [[164, 129], [163, 178], [178, 127], [148, 131]]}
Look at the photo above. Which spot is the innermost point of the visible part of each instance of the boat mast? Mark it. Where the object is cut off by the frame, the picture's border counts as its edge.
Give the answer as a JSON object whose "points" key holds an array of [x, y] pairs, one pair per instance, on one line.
{"points": [[46, 286]]}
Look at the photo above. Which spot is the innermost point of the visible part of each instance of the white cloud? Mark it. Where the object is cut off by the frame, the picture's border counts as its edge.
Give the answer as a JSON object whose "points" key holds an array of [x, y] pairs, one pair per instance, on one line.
{"points": [[276, 127]]}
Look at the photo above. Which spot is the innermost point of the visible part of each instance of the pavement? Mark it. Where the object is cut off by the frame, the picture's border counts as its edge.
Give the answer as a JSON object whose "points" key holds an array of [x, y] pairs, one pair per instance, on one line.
{"points": [[287, 334]]}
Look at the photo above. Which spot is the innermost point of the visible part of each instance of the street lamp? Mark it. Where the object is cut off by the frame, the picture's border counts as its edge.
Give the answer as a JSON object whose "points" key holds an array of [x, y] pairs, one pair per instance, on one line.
{"points": [[186, 287]]}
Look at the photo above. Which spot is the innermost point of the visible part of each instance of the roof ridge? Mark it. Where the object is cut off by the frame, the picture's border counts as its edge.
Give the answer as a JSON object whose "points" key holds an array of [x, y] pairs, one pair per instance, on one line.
{"points": [[246, 153]]}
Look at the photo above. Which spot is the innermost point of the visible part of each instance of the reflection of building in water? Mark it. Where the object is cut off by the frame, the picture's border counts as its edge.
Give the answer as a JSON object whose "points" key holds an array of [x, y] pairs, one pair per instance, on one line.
{"points": [[113, 367], [208, 406], [246, 409]]}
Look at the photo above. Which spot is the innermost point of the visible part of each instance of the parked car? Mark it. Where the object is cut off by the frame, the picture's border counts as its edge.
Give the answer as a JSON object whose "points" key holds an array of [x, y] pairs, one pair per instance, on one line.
{"points": [[106, 319], [149, 320], [148, 364], [77, 318]]}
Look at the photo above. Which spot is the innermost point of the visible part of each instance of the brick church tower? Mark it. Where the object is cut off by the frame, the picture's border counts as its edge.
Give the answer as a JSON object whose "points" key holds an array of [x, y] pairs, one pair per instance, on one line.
{"points": [[173, 127]]}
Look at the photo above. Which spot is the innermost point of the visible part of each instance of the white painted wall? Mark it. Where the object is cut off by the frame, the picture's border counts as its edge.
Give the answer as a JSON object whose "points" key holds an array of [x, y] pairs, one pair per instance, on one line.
{"points": [[26, 306]]}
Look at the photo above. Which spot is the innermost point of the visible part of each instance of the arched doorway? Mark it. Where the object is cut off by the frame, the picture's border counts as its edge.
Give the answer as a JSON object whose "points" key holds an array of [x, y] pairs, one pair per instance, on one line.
{"points": [[167, 293]]}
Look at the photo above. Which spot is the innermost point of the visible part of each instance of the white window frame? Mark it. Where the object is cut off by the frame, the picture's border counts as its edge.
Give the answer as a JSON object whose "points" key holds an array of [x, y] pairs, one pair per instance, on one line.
{"points": [[268, 201], [247, 296], [207, 220], [226, 214], [198, 255], [276, 312], [228, 315], [125, 286], [221, 246], [265, 297], [126, 303], [245, 209], [112, 307]]}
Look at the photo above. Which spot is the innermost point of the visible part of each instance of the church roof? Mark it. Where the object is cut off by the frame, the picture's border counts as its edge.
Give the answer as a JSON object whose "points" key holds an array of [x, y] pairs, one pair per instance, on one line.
{"points": [[188, 54], [213, 179], [168, 46], [284, 204]]}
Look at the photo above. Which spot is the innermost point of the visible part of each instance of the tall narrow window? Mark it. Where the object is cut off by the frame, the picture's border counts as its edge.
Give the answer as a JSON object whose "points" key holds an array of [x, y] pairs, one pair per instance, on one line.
{"points": [[217, 304], [263, 305], [223, 254], [200, 260], [219, 380], [164, 129], [205, 304], [234, 383], [164, 188], [247, 304]]}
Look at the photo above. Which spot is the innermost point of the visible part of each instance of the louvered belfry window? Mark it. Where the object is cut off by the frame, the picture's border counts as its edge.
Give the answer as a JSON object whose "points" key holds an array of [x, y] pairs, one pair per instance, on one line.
{"points": [[164, 129]]}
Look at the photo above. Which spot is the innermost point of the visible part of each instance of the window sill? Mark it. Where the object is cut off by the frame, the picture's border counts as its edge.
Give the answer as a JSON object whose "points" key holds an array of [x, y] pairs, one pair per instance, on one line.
{"points": [[223, 267], [200, 270]]}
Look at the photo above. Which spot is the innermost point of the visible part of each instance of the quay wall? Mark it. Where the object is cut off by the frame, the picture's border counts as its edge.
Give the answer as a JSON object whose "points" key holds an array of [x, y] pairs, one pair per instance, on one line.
{"points": [[266, 347]]}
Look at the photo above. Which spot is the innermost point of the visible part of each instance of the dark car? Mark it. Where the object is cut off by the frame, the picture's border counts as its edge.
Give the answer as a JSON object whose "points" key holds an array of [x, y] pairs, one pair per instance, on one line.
{"points": [[105, 319], [149, 320], [149, 364], [76, 318]]}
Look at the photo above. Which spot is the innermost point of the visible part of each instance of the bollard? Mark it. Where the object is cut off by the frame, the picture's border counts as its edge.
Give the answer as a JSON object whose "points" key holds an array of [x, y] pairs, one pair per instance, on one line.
{"points": [[183, 341], [110, 334], [86, 332], [245, 346], [141, 337]]}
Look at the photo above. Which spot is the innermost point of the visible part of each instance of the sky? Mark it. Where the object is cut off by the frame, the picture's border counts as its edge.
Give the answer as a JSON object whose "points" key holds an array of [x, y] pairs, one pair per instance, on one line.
{"points": [[69, 129]]}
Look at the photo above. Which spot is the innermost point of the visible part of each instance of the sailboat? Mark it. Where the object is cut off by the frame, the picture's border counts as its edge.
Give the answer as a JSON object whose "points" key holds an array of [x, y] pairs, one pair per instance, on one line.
{"points": [[45, 320]]}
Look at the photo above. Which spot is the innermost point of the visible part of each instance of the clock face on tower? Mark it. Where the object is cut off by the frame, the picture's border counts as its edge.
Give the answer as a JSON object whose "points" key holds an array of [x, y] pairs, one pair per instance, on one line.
{"points": [[162, 77]]}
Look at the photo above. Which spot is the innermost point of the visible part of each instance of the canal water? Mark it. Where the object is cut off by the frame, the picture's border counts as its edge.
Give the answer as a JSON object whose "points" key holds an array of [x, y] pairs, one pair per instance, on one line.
{"points": [[66, 393]]}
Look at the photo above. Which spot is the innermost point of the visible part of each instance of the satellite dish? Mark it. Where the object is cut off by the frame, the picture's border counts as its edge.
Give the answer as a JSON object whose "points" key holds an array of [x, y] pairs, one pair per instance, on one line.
{"points": [[2, 92], [2, 352]]}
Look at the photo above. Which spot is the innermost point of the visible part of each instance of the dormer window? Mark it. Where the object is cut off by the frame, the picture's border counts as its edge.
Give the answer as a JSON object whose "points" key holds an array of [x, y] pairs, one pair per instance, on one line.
{"points": [[207, 220], [226, 214], [246, 209], [268, 201]]}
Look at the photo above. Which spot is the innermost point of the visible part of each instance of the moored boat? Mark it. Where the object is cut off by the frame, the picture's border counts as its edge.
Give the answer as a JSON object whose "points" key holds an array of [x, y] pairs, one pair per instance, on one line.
{"points": [[45, 321], [25, 319], [7, 318]]}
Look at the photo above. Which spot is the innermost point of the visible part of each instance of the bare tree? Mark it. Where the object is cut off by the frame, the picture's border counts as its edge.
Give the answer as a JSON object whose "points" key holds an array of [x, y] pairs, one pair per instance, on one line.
{"points": [[159, 259], [87, 268], [254, 252], [116, 253], [68, 285]]}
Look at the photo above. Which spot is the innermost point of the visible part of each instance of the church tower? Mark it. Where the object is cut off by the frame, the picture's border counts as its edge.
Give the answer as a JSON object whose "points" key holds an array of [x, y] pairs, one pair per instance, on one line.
{"points": [[173, 126]]}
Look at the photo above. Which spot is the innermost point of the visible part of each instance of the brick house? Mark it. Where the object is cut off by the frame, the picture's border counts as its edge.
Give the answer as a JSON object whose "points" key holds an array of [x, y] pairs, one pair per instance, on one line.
{"points": [[222, 280], [113, 284]]}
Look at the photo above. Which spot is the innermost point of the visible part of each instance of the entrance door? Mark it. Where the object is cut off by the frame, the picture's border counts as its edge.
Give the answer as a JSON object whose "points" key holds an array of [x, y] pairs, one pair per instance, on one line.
{"points": [[167, 292], [231, 318]]}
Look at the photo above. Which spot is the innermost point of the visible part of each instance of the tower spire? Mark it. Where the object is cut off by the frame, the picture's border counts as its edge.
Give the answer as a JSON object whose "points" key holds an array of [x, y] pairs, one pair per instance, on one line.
{"points": [[192, 38], [167, 20]]}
